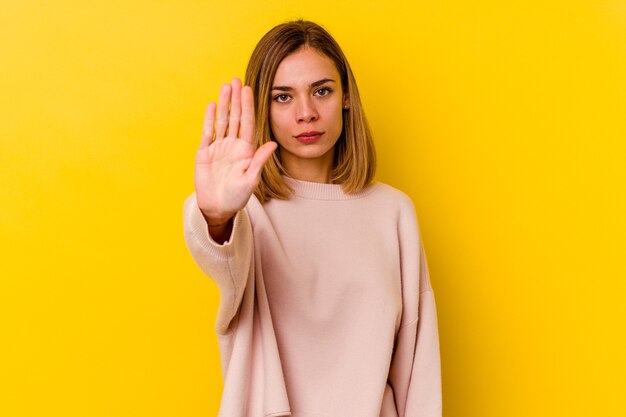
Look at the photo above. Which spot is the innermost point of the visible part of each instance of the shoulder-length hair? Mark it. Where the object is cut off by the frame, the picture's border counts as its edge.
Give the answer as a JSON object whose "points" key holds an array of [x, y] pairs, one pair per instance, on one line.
{"points": [[355, 157]]}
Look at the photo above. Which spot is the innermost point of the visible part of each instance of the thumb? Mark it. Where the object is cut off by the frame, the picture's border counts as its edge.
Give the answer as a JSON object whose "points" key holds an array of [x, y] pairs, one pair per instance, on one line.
{"points": [[260, 158]]}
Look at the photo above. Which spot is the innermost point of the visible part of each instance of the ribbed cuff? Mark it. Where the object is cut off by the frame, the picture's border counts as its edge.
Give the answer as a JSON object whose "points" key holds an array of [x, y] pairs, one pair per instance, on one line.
{"points": [[198, 229]]}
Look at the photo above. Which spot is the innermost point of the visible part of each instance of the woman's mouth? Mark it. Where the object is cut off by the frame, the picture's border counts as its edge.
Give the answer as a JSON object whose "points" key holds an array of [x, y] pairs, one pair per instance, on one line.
{"points": [[309, 137]]}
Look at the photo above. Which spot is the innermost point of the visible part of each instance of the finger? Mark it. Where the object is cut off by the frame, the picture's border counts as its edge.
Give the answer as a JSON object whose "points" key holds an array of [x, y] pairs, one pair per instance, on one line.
{"points": [[208, 127], [260, 158], [235, 108], [221, 121], [247, 115]]}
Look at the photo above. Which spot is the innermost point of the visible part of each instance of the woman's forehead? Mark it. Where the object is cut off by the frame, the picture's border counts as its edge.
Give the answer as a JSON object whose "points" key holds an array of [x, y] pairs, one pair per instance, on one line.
{"points": [[304, 67]]}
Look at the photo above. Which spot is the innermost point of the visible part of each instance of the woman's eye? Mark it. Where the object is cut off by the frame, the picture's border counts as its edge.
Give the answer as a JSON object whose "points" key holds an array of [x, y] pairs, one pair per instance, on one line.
{"points": [[281, 98], [322, 91]]}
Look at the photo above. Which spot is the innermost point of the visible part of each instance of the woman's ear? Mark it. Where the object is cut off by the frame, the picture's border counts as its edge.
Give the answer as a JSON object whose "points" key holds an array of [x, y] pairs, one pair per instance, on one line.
{"points": [[346, 102]]}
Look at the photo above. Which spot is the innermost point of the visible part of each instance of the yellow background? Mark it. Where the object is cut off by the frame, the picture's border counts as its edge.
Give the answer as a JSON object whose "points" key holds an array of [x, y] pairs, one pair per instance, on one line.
{"points": [[503, 120]]}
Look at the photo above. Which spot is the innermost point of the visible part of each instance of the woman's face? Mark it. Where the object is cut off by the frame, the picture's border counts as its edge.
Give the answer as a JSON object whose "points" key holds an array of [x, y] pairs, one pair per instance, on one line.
{"points": [[306, 109]]}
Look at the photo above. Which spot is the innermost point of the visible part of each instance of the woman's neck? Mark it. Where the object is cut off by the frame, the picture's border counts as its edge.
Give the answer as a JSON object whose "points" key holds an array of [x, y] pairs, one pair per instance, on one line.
{"points": [[311, 170], [310, 176]]}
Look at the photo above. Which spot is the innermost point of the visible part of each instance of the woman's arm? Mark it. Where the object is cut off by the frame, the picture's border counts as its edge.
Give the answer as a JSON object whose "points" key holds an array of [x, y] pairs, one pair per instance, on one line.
{"points": [[228, 169], [415, 373], [227, 263]]}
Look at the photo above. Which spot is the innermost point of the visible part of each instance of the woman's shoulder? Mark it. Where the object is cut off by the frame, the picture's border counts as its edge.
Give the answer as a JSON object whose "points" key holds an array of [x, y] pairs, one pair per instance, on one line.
{"points": [[392, 195]]}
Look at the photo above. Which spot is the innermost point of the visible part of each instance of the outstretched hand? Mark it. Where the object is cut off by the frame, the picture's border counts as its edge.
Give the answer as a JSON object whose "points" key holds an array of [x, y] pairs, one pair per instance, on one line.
{"points": [[228, 168]]}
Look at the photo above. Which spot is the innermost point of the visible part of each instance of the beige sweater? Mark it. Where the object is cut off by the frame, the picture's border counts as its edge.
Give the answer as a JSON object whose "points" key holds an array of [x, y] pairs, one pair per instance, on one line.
{"points": [[326, 305]]}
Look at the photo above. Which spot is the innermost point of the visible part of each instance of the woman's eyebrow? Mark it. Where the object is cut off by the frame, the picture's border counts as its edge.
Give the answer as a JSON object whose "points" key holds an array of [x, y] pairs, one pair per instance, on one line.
{"points": [[313, 85]]}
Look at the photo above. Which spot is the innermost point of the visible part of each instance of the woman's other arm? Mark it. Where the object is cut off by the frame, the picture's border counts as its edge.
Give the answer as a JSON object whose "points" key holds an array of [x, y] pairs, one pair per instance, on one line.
{"points": [[415, 373]]}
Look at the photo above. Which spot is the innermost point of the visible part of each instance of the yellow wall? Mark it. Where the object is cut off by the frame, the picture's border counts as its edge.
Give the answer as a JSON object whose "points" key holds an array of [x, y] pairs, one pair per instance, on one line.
{"points": [[503, 120]]}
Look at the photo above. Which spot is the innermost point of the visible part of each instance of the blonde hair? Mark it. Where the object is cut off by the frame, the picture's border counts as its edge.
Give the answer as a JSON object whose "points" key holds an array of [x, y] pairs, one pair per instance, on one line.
{"points": [[355, 157]]}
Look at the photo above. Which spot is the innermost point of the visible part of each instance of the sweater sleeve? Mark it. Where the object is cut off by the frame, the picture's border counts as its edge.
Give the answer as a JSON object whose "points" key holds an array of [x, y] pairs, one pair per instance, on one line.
{"points": [[415, 373], [228, 264]]}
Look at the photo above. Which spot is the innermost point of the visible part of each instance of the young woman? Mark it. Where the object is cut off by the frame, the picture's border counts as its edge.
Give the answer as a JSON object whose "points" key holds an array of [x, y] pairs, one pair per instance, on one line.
{"points": [[326, 306]]}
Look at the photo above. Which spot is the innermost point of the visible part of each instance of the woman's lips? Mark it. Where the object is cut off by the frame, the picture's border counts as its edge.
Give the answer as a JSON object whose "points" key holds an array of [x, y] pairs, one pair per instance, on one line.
{"points": [[309, 137]]}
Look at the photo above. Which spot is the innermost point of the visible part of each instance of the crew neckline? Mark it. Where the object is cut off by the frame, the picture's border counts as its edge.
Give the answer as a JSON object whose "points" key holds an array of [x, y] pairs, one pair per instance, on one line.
{"points": [[323, 191]]}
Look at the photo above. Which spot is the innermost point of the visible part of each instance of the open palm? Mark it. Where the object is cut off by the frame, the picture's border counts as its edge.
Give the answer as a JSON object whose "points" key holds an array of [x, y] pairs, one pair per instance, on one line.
{"points": [[228, 168]]}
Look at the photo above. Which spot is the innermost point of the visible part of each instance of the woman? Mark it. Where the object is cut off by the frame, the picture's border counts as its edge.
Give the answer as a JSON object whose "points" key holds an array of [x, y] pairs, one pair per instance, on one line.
{"points": [[326, 306]]}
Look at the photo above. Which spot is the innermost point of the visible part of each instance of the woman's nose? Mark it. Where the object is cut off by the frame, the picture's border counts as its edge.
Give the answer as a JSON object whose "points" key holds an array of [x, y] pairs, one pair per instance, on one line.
{"points": [[306, 111]]}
